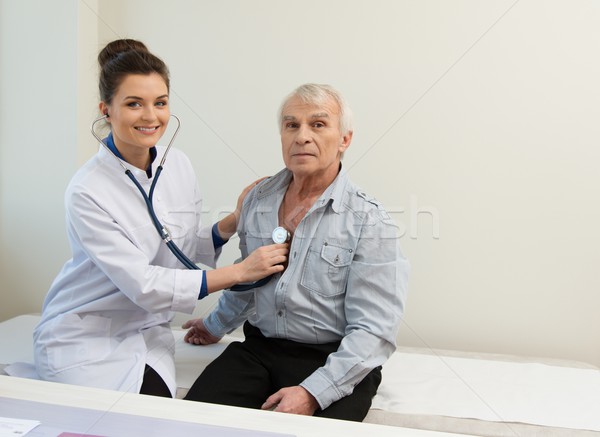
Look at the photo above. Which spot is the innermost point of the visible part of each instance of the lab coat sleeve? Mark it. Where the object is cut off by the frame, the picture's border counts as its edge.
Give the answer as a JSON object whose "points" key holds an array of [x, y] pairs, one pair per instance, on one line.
{"points": [[374, 305], [205, 249], [128, 266], [233, 308]]}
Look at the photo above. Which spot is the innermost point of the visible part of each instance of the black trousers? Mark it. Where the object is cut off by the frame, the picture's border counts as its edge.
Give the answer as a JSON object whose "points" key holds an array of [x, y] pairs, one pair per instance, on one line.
{"points": [[247, 373], [153, 384]]}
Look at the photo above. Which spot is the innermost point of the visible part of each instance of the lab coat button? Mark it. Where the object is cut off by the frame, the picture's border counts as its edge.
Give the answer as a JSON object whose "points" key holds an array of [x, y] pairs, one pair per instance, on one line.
{"points": [[280, 313]]}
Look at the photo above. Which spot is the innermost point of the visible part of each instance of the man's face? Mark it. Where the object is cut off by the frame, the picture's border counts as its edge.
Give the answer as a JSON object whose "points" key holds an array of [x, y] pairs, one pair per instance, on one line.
{"points": [[311, 140]]}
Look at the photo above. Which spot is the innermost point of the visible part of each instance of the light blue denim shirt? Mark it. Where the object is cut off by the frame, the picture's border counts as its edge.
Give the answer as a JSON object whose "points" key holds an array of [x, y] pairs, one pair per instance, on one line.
{"points": [[346, 281]]}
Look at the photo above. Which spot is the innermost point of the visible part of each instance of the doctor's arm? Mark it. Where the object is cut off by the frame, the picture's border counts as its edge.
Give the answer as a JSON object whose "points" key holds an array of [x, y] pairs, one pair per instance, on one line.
{"points": [[154, 288], [228, 225], [264, 261]]}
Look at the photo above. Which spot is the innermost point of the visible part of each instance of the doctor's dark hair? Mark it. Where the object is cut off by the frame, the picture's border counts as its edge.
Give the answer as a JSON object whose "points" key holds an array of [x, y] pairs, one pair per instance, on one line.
{"points": [[123, 57]]}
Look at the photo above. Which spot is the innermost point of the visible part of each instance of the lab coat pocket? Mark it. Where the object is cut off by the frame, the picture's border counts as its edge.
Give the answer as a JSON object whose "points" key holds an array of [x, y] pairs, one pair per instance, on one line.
{"points": [[181, 221], [77, 341], [326, 273]]}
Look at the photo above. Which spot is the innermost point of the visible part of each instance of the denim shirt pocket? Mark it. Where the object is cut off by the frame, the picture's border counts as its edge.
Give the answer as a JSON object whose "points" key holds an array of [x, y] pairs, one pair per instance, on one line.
{"points": [[326, 271]]}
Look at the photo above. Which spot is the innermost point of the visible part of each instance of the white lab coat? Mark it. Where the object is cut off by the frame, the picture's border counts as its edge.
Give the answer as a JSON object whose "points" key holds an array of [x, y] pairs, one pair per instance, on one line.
{"points": [[107, 312]]}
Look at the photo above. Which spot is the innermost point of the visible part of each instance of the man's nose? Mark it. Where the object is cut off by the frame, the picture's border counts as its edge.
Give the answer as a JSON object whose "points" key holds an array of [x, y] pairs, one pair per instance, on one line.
{"points": [[304, 135]]}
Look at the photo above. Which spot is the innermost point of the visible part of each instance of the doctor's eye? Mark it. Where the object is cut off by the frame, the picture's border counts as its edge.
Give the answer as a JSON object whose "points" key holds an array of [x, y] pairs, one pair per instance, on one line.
{"points": [[162, 103], [134, 104]]}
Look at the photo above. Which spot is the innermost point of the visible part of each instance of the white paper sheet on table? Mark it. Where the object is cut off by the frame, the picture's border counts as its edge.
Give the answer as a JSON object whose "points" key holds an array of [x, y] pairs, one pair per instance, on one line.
{"points": [[16, 427], [491, 390]]}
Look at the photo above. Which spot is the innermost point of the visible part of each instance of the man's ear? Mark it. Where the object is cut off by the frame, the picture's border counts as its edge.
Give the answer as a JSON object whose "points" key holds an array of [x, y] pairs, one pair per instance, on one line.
{"points": [[346, 140]]}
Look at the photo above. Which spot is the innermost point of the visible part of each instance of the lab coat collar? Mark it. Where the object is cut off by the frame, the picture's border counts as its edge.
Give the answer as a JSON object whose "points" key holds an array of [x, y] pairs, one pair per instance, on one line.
{"points": [[110, 143]]}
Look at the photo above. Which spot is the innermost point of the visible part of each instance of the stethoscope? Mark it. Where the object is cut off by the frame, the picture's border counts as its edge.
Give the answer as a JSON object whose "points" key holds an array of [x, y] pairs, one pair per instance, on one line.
{"points": [[279, 235]]}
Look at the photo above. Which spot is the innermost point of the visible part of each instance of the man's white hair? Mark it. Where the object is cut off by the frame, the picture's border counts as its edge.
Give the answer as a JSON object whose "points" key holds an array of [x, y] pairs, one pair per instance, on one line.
{"points": [[317, 94]]}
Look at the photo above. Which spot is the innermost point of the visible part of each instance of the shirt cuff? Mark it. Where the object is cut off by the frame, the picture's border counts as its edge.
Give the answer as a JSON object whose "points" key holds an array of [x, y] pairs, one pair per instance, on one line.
{"points": [[323, 389], [216, 237], [203, 287], [214, 326]]}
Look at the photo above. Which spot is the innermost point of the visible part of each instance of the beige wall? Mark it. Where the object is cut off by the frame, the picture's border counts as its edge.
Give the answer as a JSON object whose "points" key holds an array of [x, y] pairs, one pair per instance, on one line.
{"points": [[476, 126]]}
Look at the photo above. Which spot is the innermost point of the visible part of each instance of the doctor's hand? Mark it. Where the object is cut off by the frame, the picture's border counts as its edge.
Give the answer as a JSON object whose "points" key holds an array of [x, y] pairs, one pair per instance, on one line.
{"points": [[198, 334], [245, 191], [263, 262], [295, 400], [228, 226]]}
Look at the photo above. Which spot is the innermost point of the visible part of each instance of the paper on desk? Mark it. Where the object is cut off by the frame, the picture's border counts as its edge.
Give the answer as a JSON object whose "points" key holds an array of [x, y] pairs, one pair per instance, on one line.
{"points": [[74, 434], [16, 427]]}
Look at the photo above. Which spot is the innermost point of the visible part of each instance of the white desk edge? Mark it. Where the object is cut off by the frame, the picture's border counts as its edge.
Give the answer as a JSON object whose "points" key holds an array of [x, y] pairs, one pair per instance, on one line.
{"points": [[195, 412]]}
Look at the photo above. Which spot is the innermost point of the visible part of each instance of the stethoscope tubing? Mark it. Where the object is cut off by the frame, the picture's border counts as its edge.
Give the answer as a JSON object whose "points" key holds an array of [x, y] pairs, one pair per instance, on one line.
{"points": [[163, 232]]}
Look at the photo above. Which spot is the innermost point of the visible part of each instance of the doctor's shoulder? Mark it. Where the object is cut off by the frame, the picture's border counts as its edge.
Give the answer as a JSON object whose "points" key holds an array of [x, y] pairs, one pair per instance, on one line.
{"points": [[94, 184], [178, 163]]}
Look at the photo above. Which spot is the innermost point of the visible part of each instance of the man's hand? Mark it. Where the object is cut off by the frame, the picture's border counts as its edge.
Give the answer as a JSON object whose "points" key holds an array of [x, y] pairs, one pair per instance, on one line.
{"points": [[295, 400], [198, 334]]}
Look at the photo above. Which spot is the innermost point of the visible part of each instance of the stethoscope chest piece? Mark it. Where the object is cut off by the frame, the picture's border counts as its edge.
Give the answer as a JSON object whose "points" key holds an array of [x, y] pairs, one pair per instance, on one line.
{"points": [[280, 235]]}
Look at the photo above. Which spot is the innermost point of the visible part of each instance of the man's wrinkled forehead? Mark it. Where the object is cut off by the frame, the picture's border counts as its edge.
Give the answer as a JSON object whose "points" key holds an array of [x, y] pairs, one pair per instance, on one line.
{"points": [[327, 108]]}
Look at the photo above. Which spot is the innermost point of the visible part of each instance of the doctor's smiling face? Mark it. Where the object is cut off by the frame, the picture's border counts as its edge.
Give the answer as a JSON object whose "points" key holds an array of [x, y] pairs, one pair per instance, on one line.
{"points": [[138, 115]]}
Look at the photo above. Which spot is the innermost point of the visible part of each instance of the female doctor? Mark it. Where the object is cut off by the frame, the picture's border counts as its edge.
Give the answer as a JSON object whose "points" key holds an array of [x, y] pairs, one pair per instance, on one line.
{"points": [[105, 320]]}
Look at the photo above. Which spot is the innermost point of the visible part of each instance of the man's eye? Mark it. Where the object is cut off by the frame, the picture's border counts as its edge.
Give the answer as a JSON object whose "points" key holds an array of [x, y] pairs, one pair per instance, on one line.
{"points": [[291, 125], [319, 124]]}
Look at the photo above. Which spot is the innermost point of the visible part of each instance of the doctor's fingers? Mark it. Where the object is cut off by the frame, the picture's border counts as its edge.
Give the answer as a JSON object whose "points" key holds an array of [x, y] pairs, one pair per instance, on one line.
{"points": [[275, 249], [273, 254], [262, 262]]}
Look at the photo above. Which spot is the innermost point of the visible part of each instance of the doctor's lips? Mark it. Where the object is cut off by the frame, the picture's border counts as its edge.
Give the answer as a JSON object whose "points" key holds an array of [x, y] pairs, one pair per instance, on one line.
{"points": [[147, 130]]}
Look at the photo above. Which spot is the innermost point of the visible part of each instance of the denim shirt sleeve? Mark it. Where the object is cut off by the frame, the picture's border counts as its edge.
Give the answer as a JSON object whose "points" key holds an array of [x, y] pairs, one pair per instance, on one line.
{"points": [[232, 310], [373, 307]]}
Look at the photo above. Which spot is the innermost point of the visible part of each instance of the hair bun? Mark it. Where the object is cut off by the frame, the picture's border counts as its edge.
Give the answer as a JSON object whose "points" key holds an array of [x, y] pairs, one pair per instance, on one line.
{"points": [[115, 48]]}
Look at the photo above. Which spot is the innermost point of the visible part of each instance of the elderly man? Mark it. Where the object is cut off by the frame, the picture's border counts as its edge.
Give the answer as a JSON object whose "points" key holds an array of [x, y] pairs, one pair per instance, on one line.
{"points": [[317, 334]]}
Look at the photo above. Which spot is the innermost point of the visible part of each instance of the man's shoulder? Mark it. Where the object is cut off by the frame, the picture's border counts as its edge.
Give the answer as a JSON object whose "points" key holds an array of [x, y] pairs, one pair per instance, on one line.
{"points": [[271, 183], [358, 198], [365, 206]]}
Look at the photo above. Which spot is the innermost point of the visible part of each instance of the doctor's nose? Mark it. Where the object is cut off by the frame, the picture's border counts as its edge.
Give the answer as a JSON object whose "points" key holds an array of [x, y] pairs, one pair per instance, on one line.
{"points": [[149, 113]]}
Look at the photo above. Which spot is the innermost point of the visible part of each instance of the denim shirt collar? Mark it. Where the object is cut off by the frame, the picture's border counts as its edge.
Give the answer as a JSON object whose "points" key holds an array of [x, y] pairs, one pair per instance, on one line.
{"points": [[334, 192]]}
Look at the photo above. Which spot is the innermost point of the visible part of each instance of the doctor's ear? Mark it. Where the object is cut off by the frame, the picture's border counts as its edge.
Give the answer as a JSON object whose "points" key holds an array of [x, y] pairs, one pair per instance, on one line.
{"points": [[103, 107]]}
